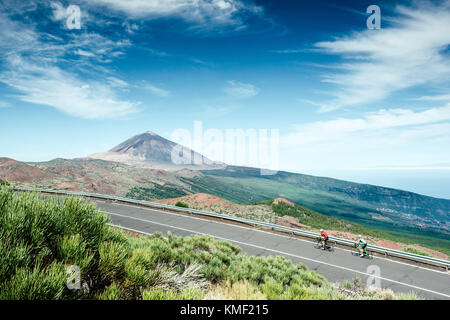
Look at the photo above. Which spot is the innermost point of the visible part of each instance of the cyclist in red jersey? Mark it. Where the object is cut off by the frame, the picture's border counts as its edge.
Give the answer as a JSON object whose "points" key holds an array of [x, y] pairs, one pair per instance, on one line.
{"points": [[324, 237]]}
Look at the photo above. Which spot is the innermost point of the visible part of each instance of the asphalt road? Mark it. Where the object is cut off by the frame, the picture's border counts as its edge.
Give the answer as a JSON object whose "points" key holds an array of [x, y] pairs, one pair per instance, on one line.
{"points": [[336, 266]]}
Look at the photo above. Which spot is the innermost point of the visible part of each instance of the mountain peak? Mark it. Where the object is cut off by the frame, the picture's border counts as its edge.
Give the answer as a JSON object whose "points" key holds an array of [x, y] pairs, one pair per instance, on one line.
{"points": [[150, 133], [149, 149]]}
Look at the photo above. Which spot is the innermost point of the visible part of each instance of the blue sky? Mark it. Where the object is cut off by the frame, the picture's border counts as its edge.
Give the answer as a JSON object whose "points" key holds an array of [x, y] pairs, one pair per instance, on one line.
{"points": [[365, 105]]}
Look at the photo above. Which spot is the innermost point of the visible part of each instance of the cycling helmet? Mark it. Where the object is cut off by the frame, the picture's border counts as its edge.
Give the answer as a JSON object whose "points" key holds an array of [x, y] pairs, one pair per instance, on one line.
{"points": [[321, 230], [360, 236]]}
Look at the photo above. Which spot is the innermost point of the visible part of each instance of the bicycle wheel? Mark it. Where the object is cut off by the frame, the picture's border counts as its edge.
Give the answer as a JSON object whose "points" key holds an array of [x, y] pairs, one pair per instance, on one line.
{"points": [[318, 244]]}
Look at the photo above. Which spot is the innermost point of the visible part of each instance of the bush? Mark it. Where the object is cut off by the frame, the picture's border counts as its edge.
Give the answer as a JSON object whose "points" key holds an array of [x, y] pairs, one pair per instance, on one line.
{"points": [[112, 292], [182, 204], [417, 251], [3, 183], [72, 251], [112, 260], [35, 284]]}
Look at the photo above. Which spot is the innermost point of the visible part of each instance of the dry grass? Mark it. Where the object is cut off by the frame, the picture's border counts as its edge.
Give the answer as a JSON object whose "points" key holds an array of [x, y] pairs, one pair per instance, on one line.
{"points": [[356, 290], [242, 290]]}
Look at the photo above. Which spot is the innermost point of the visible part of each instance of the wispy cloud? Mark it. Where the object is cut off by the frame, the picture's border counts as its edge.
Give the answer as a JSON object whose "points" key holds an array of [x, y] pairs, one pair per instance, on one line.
{"points": [[201, 12], [442, 97], [240, 89], [130, 27], [287, 51], [157, 91], [59, 12], [51, 86], [385, 138], [4, 104], [375, 124], [116, 82], [32, 66], [412, 52], [84, 53]]}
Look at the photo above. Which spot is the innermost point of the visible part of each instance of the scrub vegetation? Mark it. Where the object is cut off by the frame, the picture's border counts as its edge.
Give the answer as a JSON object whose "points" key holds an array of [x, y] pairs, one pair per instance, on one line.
{"points": [[156, 192]]}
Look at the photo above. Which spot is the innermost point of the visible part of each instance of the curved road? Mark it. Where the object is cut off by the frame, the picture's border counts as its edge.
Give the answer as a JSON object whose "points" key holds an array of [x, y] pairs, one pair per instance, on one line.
{"points": [[336, 266]]}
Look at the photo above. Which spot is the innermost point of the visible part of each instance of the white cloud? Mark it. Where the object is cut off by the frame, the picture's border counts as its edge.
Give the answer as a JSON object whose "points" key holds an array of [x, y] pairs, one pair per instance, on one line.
{"points": [[31, 67], [374, 123], [442, 97], [130, 27], [157, 91], [4, 104], [51, 86], [59, 12], [15, 36], [116, 82], [241, 90], [213, 12], [410, 53], [386, 138], [94, 45], [84, 53]]}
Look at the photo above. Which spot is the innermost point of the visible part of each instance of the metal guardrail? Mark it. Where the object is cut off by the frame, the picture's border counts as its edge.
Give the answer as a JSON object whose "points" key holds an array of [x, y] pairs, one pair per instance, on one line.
{"points": [[380, 250]]}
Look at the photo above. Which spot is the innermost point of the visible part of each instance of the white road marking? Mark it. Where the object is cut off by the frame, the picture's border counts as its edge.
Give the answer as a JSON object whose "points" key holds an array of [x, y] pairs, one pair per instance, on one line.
{"points": [[266, 232], [279, 252]]}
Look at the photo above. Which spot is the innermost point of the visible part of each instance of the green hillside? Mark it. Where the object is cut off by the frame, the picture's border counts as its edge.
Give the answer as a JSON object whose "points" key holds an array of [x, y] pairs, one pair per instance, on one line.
{"points": [[401, 214], [316, 220]]}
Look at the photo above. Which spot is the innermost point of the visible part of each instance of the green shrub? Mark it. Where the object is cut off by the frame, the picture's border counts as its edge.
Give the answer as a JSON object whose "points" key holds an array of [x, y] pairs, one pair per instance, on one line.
{"points": [[37, 234], [417, 251], [36, 283], [112, 260], [156, 192], [111, 292], [3, 183], [12, 258], [72, 251], [182, 204], [272, 289]]}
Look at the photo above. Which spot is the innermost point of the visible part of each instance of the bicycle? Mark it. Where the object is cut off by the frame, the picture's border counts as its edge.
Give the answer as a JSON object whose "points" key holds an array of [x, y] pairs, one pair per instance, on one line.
{"points": [[357, 252], [319, 245]]}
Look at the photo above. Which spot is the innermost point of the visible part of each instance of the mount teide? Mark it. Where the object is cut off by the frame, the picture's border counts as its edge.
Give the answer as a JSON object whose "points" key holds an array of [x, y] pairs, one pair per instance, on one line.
{"points": [[153, 151], [128, 172]]}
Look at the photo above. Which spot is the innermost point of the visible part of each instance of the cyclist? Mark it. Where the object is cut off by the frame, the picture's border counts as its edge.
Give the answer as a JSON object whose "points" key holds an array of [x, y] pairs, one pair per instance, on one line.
{"points": [[362, 245], [324, 237]]}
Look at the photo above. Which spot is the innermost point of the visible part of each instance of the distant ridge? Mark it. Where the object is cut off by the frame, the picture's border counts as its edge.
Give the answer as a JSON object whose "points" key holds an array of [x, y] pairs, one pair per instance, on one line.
{"points": [[13, 170], [150, 150]]}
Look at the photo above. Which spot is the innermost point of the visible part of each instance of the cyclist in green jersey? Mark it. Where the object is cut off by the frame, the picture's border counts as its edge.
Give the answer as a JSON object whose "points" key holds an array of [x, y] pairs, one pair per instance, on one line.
{"points": [[362, 245]]}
